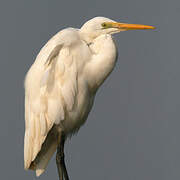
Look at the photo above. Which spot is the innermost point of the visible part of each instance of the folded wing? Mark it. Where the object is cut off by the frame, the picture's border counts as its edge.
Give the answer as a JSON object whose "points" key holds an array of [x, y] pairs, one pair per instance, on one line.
{"points": [[50, 90]]}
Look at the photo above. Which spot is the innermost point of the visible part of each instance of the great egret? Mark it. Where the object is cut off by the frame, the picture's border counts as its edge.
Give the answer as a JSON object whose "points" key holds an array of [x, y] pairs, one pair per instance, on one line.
{"points": [[61, 85]]}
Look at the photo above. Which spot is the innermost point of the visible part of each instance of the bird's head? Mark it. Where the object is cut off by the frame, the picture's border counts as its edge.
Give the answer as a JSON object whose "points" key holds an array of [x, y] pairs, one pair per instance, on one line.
{"points": [[101, 25]]}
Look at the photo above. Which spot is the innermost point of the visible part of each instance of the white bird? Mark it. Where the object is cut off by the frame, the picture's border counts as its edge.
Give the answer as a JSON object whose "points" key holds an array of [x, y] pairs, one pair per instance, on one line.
{"points": [[61, 85]]}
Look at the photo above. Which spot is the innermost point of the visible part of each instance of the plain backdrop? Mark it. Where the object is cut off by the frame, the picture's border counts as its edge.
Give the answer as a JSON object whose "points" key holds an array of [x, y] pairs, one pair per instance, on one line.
{"points": [[132, 132]]}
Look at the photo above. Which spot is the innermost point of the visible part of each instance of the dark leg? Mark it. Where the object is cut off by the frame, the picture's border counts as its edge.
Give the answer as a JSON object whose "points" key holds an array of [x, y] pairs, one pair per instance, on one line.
{"points": [[58, 163], [60, 160], [63, 162]]}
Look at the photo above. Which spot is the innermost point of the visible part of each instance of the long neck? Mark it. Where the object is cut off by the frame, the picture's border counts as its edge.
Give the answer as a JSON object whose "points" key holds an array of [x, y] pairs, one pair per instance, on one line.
{"points": [[103, 60]]}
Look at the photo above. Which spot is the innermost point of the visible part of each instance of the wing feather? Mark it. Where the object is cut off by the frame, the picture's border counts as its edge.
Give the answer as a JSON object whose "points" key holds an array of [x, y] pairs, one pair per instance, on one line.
{"points": [[50, 88]]}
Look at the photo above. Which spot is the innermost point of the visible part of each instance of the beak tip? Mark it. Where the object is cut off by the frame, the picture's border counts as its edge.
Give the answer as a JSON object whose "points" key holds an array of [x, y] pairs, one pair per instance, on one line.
{"points": [[153, 27]]}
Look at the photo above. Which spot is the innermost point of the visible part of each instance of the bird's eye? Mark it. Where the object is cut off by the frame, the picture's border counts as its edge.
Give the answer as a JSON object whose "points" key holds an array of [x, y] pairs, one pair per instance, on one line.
{"points": [[104, 25]]}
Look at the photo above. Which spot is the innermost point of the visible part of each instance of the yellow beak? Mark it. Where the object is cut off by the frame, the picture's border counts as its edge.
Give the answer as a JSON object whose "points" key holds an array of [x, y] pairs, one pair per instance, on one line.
{"points": [[125, 26]]}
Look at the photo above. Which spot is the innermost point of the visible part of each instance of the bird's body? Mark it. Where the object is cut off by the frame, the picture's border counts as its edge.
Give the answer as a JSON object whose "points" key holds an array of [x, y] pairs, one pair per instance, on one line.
{"points": [[60, 87]]}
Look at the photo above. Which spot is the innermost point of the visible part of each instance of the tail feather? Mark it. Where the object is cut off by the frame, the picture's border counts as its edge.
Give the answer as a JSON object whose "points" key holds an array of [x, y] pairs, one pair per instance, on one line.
{"points": [[44, 159], [47, 150]]}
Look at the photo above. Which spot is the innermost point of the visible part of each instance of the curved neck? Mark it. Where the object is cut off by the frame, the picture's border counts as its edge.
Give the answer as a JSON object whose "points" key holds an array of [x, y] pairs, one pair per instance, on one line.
{"points": [[88, 37], [103, 60]]}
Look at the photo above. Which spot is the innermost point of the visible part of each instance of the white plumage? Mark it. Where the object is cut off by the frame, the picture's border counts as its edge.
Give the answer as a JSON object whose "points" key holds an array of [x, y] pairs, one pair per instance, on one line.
{"points": [[61, 85]]}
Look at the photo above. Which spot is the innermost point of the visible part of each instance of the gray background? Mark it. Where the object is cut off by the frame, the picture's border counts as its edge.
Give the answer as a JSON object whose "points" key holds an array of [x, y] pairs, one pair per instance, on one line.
{"points": [[132, 132]]}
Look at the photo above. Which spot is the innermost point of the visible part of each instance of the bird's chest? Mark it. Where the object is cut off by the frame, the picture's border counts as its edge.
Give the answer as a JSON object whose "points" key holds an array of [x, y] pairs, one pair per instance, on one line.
{"points": [[83, 104]]}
